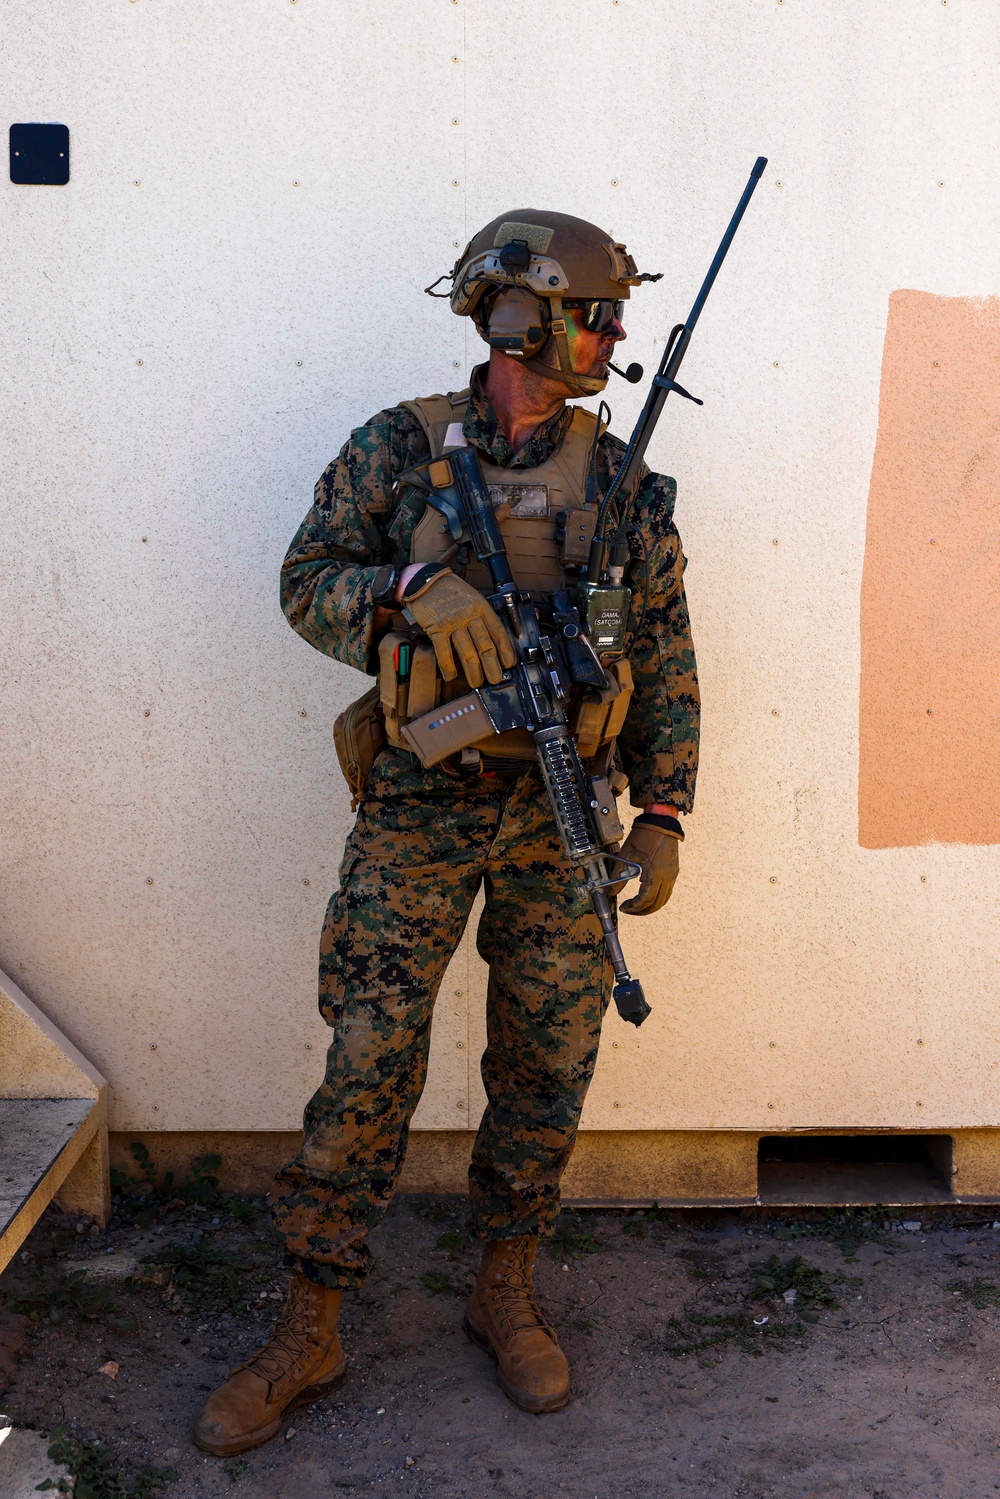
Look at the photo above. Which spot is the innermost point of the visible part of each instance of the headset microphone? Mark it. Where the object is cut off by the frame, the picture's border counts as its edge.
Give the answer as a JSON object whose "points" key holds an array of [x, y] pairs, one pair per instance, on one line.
{"points": [[633, 374]]}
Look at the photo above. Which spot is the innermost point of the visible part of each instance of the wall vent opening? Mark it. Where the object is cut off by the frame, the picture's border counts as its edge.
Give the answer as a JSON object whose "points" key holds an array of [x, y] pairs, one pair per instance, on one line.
{"points": [[854, 1169]]}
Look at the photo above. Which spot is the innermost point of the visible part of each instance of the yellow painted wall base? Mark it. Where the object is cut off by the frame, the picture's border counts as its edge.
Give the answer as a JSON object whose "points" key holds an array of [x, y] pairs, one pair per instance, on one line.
{"points": [[682, 1168]]}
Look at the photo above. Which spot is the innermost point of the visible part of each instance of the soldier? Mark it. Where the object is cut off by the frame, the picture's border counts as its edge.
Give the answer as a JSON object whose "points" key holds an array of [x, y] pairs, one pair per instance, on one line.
{"points": [[546, 292]]}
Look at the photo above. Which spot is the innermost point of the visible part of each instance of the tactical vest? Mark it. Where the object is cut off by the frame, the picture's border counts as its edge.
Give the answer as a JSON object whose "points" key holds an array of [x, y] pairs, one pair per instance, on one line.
{"points": [[544, 518], [547, 527]]}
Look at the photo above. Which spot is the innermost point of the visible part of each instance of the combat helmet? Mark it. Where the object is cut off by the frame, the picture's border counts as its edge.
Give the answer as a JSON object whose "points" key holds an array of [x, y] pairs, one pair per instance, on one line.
{"points": [[519, 273]]}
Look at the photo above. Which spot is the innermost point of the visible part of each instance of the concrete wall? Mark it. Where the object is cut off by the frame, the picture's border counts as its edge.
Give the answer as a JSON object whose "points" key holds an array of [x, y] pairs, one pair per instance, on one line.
{"points": [[232, 279]]}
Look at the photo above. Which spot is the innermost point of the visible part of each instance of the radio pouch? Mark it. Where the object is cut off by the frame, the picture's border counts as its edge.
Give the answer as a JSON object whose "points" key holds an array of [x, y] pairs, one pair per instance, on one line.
{"points": [[600, 715]]}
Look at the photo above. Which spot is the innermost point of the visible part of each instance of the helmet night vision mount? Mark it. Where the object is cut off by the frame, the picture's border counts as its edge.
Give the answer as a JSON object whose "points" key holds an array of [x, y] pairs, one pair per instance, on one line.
{"points": [[516, 276]]}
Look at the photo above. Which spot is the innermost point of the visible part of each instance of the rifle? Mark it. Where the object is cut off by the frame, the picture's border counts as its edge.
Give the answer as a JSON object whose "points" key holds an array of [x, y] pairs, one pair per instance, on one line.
{"points": [[581, 632]]}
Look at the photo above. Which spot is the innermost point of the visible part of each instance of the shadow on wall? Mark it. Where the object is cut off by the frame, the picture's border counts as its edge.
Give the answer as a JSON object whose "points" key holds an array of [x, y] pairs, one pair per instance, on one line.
{"points": [[930, 622]]}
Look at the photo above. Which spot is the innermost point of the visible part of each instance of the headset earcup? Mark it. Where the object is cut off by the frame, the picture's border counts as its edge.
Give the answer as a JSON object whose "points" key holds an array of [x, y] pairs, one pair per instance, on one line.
{"points": [[518, 323]]}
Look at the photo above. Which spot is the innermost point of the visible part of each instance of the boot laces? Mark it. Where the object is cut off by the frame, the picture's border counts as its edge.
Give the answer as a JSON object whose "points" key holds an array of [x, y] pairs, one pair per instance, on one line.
{"points": [[292, 1341], [513, 1296]]}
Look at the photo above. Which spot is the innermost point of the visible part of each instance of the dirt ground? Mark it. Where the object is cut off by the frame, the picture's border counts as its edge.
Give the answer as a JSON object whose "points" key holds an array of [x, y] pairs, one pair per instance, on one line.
{"points": [[727, 1354]]}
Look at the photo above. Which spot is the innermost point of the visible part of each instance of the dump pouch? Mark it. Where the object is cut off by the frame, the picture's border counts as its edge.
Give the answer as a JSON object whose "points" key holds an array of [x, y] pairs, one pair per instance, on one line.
{"points": [[359, 738]]}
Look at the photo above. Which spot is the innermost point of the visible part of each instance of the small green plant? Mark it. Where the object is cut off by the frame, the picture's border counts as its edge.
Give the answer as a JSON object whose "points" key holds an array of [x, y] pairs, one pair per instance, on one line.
{"points": [[236, 1469], [981, 1293], [206, 1279], [435, 1209], [72, 1301], [656, 1218], [848, 1228], [812, 1286], [438, 1284], [699, 1330], [94, 1474], [453, 1242], [150, 1194], [571, 1238], [583, 1324]]}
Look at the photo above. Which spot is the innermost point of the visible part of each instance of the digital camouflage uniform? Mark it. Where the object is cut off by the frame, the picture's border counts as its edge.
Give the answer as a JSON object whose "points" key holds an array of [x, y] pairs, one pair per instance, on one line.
{"points": [[423, 843]]}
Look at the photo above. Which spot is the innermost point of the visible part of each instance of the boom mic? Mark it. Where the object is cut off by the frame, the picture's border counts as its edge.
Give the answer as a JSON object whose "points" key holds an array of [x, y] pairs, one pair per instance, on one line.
{"points": [[633, 374]]}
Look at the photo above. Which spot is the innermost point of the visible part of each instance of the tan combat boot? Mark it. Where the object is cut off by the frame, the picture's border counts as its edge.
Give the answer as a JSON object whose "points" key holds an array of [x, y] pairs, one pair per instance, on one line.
{"points": [[302, 1361], [503, 1317]]}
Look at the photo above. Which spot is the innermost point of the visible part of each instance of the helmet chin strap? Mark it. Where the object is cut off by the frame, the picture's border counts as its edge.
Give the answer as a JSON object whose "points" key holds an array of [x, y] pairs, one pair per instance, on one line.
{"points": [[576, 384]]}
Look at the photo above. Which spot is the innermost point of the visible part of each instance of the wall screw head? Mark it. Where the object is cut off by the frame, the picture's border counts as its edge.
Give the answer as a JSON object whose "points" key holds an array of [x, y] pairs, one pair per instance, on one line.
{"points": [[145, 712], [305, 882], [152, 1045], [149, 879], [137, 183], [138, 361], [774, 879]]}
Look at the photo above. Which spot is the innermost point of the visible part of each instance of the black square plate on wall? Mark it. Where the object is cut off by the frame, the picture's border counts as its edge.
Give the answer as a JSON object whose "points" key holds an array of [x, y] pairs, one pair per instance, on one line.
{"points": [[40, 154]]}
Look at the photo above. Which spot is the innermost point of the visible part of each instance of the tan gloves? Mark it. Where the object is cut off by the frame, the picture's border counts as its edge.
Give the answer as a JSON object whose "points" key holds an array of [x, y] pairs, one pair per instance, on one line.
{"points": [[657, 848], [460, 623]]}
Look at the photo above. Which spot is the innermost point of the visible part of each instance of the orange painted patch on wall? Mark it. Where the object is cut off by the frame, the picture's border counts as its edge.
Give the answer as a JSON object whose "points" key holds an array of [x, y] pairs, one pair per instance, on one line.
{"points": [[930, 622]]}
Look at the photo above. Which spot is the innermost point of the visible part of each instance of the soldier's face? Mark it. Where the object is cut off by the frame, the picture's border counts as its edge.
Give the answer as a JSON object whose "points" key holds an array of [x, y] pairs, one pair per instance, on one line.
{"points": [[590, 351]]}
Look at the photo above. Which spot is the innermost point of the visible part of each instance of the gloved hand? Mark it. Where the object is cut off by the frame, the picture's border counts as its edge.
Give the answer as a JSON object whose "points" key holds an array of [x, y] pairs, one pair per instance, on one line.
{"points": [[459, 622], [657, 848]]}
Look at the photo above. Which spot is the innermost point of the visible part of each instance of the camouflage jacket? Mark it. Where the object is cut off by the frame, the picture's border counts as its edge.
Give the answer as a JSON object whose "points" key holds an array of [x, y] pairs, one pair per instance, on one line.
{"points": [[356, 525]]}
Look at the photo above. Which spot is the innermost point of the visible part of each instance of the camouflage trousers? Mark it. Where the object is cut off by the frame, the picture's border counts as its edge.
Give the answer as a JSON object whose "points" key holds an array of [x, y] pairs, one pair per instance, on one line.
{"points": [[423, 844]]}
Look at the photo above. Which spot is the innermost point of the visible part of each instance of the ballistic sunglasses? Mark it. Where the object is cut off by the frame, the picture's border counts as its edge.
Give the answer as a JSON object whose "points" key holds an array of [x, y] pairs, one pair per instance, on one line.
{"points": [[599, 316]]}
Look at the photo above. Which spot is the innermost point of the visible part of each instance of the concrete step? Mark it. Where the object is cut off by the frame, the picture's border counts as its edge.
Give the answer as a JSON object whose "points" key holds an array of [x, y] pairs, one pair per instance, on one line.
{"points": [[24, 1462], [53, 1123], [41, 1140]]}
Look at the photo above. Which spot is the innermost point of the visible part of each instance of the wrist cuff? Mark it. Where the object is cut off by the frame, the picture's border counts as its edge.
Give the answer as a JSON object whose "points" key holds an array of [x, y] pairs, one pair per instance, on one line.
{"points": [[665, 824], [421, 578]]}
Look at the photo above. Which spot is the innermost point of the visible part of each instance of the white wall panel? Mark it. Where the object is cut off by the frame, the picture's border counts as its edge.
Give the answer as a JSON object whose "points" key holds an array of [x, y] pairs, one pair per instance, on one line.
{"points": [[147, 506]]}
